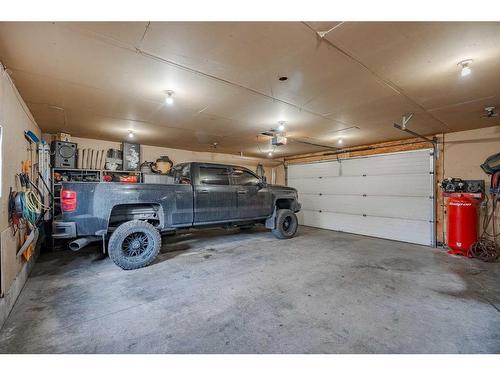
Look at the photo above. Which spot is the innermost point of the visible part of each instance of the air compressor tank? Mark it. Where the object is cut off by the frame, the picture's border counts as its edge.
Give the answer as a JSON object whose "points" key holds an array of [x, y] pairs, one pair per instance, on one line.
{"points": [[462, 223]]}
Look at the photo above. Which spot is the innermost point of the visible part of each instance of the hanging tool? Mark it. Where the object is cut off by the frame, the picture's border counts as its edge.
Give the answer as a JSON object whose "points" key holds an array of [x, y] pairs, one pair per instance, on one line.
{"points": [[31, 137], [26, 210], [44, 170]]}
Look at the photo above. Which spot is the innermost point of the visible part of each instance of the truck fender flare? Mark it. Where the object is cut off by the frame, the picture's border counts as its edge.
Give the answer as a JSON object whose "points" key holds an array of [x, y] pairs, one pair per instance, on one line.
{"points": [[160, 211]]}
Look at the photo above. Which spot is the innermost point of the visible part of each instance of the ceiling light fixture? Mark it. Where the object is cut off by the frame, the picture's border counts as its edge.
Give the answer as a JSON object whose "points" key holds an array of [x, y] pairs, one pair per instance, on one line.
{"points": [[340, 141], [465, 64], [281, 126], [170, 97], [270, 153], [490, 112], [131, 134]]}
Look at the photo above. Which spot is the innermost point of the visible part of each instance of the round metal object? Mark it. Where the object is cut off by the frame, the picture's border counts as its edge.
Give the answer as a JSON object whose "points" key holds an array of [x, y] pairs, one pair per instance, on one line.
{"points": [[136, 244]]}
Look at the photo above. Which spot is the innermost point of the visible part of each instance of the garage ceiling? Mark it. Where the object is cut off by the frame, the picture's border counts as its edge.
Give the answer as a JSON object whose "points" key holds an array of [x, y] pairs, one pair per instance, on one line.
{"points": [[100, 80]]}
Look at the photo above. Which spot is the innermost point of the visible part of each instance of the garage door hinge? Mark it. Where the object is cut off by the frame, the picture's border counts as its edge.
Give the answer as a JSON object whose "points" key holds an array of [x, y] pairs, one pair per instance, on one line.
{"points": [[364, 215], [320, 211], [320, 193], [431, 197], [320, 177], [431, 172], [364, 195], [364, 175]]}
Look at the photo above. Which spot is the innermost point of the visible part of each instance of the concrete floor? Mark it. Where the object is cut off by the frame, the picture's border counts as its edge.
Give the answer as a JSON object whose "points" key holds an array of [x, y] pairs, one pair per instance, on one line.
{"points": [[219, 291]]}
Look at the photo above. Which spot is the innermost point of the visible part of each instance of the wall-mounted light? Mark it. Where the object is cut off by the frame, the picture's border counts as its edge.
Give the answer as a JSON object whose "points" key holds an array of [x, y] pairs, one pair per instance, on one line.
{"points": [[131, 134], [170, 97], [465, 65]]}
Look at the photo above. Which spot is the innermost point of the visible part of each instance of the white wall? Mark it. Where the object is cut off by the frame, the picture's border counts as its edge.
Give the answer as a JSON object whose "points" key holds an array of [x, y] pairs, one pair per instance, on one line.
{"points": [[465, 151], [15, 118]]}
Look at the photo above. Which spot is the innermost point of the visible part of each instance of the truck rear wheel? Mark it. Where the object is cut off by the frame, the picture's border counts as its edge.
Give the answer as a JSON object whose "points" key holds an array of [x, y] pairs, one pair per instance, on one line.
{"points": [[286, 224], [134, 244]]}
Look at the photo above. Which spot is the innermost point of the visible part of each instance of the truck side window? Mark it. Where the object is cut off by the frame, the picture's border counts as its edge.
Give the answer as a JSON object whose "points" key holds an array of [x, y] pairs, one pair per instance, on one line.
{"points": [[185, 175], [214, 175], [244, 178], [181, 174]]}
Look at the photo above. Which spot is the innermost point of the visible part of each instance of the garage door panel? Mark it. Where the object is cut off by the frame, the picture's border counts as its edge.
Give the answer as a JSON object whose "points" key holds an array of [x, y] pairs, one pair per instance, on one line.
{"points": [[413, 231], [415, 162], [315, 170], [388, 196], [417, 208], [412, 163], [408, 185]]}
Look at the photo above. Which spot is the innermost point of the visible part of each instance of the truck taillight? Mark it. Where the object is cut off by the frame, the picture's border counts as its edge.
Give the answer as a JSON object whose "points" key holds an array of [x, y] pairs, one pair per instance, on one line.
{"points": [[68, 200]]}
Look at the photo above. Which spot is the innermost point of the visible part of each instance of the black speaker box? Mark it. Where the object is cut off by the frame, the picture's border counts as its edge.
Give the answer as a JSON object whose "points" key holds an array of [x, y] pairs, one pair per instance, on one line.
{"points": [[63, 154]]}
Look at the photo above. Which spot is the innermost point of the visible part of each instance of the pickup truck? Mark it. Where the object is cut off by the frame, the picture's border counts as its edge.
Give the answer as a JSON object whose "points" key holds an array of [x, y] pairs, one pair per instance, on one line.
{"points": [[133, 216]]}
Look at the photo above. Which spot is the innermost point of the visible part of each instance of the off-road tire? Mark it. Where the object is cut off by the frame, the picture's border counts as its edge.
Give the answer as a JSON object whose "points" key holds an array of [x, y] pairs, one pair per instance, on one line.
{"points": [[134, 244], [286, 224]]}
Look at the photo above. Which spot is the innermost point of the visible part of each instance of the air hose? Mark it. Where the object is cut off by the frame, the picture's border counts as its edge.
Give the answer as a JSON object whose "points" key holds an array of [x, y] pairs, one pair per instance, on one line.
{"points": [[30, 200], [487, 248]]}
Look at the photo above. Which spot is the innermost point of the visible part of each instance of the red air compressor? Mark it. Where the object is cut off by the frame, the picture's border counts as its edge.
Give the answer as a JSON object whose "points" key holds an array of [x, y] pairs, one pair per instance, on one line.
{"points": [[462, 225], [462, 198]]}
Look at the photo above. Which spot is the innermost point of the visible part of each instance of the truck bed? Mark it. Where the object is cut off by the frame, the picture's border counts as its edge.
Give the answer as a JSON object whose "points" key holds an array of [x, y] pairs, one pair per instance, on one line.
{"points": [[96, 200]]}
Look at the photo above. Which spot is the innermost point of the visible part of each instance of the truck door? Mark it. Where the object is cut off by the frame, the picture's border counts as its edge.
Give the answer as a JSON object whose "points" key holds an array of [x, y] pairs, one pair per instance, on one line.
{"points": [[252, 199], [214, 197]]}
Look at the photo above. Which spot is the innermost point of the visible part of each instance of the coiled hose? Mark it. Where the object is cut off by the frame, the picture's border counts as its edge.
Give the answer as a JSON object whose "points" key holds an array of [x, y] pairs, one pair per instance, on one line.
{"points": [[487, 248], [31, 201]]}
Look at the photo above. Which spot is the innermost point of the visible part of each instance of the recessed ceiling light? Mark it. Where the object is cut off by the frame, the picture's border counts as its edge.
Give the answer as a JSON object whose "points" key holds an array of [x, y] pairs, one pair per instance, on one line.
{"points": [[131, 134], [270, 153], [466, 70], [170, 97], [283, 78], [281, 126], [340, 141]]}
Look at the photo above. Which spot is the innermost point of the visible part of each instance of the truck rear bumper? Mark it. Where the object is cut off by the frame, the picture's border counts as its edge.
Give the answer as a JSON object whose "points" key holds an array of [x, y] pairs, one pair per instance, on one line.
{"points": [[63, 229]]}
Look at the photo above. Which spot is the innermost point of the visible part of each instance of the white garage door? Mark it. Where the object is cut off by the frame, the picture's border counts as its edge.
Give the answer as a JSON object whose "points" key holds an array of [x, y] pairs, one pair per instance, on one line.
{"points": [[388, 196]]}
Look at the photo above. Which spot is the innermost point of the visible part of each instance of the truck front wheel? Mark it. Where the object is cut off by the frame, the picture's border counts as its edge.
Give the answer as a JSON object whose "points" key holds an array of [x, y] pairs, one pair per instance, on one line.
{"points": [[286, 224], [134, 244]]}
